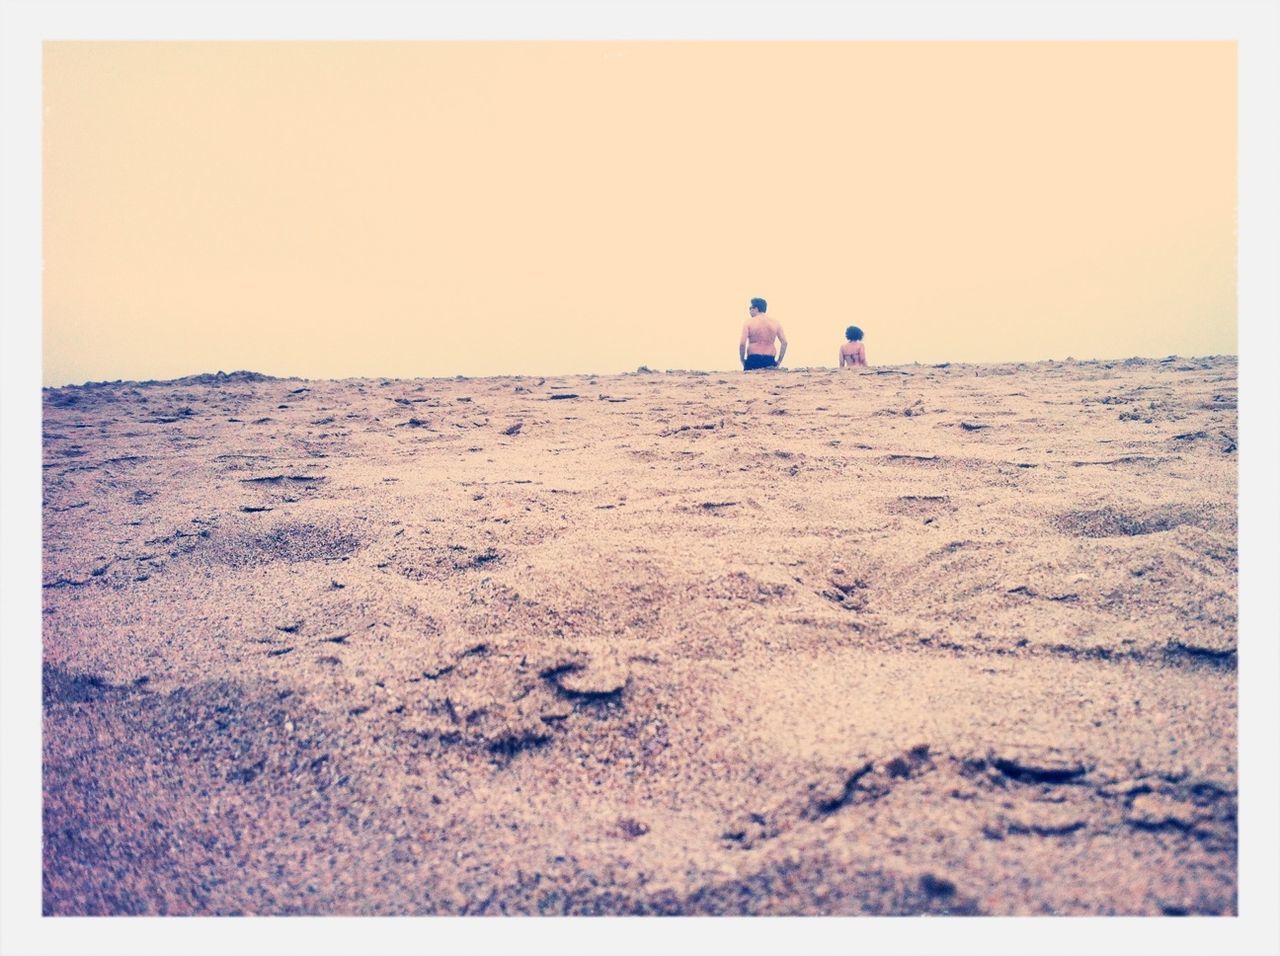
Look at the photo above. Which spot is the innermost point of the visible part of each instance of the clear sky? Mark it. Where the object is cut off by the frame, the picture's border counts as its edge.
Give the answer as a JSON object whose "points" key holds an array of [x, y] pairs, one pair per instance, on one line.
{"points": [[440, 208]]}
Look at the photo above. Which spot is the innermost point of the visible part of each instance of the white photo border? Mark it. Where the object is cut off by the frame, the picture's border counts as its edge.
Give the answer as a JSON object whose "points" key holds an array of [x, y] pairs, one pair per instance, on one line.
{"points": [[1253, 26]]}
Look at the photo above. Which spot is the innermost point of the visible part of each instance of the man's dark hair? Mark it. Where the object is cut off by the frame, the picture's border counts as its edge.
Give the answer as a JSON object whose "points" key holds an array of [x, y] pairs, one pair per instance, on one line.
{"points": [[853, 333], [760, 305]]}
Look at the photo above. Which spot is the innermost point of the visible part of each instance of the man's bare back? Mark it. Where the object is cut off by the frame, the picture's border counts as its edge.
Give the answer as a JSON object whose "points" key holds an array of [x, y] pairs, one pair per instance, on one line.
{"points": [[759, 333]]}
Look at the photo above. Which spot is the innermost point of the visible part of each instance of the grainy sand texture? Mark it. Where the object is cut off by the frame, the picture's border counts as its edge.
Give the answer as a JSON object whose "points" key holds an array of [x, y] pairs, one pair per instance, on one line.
{"points": [[955, 639]]}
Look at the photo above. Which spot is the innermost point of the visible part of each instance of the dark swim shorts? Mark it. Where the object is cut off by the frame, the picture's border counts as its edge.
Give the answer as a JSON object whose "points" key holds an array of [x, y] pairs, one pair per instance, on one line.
{"points": [[759, 361]]}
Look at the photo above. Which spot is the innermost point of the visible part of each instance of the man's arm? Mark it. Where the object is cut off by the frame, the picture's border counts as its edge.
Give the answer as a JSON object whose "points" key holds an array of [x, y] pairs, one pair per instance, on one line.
{"points": [[782, 338], [742, 345]]}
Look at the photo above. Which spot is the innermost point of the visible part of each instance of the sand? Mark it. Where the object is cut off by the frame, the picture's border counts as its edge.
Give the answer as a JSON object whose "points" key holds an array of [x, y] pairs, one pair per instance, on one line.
{"points": [[955, 639]]}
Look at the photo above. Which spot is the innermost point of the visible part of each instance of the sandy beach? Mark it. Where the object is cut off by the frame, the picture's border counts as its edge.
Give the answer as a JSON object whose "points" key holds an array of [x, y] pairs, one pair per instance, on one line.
{"points": [[952, 639]]}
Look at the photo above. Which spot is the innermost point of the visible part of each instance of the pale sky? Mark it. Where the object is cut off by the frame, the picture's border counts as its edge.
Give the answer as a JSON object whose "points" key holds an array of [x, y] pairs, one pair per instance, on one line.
{"points": [[438, 208]]}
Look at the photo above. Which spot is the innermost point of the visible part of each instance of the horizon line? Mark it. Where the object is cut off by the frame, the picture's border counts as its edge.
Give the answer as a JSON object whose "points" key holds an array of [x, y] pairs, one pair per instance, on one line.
{"points": [[248, 375]]}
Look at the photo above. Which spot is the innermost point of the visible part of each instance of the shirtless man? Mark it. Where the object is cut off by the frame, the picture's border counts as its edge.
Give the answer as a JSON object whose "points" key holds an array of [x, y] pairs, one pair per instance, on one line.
{"points": [[853, 352], [755, 348]]}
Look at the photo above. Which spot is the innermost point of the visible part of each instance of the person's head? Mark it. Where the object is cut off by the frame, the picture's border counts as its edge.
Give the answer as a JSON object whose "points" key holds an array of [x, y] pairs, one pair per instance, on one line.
{"points": [[853, 333], [758, 306]]}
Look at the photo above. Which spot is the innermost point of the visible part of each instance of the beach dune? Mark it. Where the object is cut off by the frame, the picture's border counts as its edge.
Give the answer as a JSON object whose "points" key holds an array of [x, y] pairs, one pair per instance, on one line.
{"points": [[953, 639]]}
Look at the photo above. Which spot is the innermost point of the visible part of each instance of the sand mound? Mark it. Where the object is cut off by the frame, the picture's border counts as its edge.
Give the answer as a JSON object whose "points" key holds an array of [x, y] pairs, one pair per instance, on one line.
{"points": [[957, 639]]}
